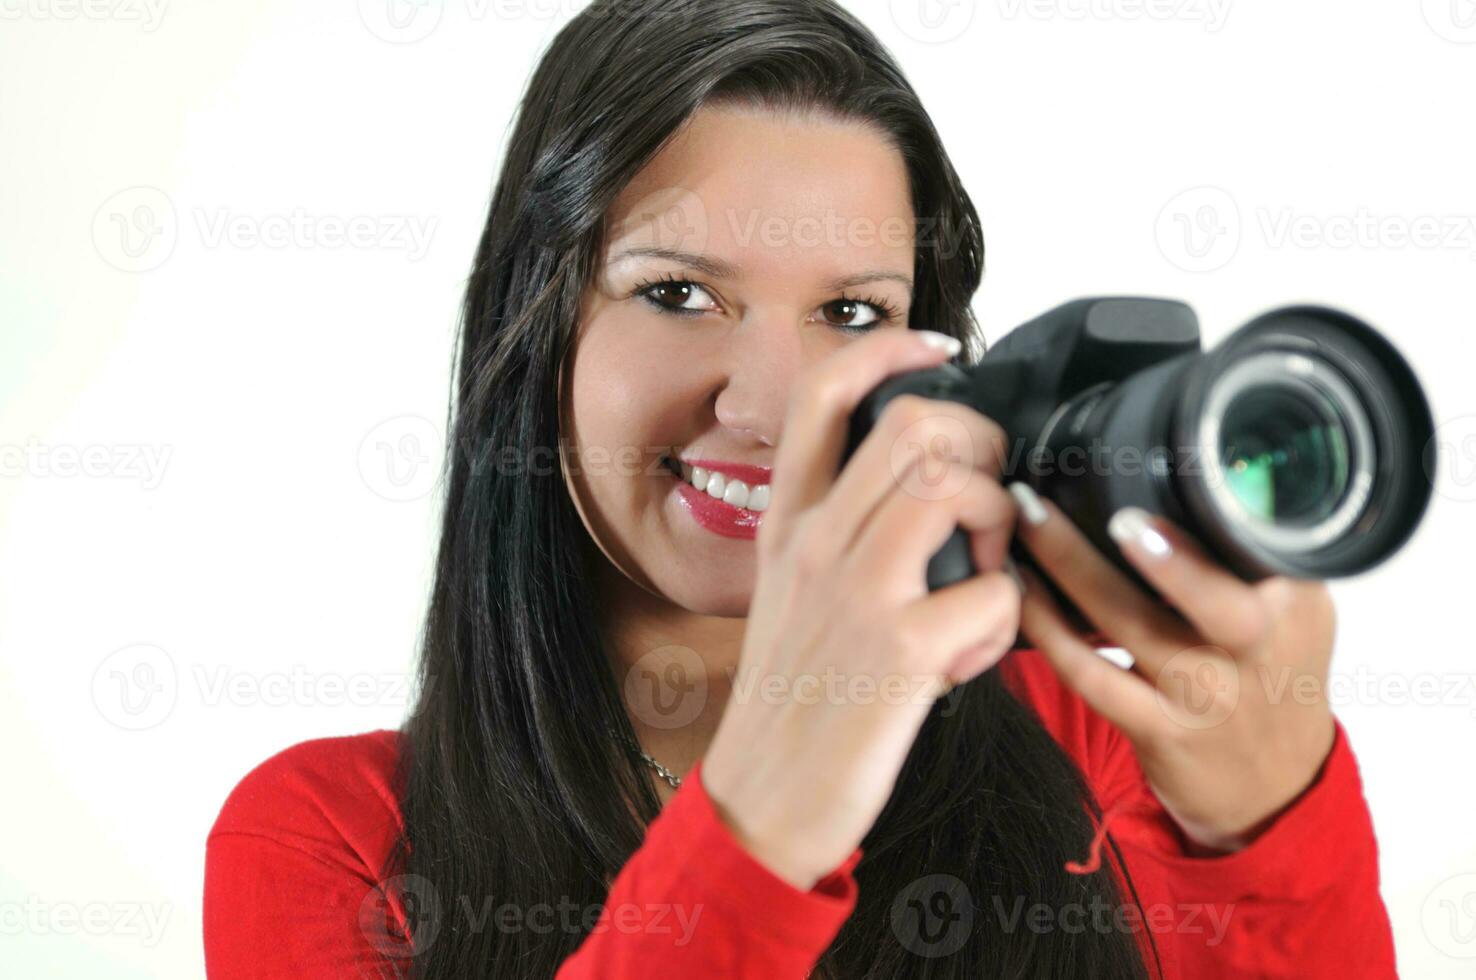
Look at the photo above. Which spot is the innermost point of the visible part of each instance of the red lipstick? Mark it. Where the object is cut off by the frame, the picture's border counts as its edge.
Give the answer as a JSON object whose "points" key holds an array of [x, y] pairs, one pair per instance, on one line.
{"points": [[715, 515]]}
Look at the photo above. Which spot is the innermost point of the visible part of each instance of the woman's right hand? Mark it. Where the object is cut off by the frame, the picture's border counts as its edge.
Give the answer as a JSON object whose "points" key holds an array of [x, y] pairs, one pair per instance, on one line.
{"points": [[841, 623]]}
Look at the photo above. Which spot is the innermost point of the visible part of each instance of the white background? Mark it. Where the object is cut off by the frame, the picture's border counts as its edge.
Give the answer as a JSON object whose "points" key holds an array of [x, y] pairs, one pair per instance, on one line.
{"points": [[217, 509]]}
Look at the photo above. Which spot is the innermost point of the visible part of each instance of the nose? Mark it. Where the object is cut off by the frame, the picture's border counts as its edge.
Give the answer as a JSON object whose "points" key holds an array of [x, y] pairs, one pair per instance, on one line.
{"points": [[761, 358]]}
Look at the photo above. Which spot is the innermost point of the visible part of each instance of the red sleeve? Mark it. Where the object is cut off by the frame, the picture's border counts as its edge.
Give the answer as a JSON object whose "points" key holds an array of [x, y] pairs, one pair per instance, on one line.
{"points": [[1301, 901], [742, 919], [293, 868]]}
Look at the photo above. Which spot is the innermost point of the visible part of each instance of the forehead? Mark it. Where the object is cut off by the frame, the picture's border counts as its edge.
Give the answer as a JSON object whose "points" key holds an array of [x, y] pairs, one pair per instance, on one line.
{"points": [[776, 195]]}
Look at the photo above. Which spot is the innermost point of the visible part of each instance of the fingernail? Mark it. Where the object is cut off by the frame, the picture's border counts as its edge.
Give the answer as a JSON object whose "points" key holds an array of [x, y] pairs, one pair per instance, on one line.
{"points": [[940, 341], [1031, 508], [1131, 525]]}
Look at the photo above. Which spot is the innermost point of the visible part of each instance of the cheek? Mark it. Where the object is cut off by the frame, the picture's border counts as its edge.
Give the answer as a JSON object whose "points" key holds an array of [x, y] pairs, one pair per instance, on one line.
{"points": [[626, 401]]}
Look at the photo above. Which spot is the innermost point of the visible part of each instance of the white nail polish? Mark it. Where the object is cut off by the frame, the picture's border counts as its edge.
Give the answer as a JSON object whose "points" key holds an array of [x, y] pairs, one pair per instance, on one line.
{"points": [[940, 341], [1031, 508], [1131, 526]]}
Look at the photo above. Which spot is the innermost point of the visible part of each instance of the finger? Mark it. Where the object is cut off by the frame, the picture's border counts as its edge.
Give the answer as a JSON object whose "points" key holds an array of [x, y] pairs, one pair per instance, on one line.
{"points": [[1226, 611], [961, 630], [913, 430], [1119, 695], [818, 415], [1112, 601], [919, 514]]}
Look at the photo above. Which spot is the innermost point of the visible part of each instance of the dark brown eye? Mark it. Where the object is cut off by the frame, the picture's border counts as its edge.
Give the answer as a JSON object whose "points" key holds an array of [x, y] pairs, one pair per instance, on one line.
{"points": [[855, 314], [672, 294], [843, 311], [677, 296]]}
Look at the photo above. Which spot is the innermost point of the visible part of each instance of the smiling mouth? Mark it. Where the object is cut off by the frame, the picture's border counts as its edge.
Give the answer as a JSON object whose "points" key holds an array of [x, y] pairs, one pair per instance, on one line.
{"points": [[753, 498]]}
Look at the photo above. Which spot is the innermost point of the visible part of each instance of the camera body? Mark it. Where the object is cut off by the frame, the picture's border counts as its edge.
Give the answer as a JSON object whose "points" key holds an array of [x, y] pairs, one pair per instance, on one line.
{"points": [[1302, 445]]}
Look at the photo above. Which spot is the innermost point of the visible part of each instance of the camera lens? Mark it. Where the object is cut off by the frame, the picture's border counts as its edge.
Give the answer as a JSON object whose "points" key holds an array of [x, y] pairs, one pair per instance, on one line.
{"points": [[1285, 454], [1290, 447]]}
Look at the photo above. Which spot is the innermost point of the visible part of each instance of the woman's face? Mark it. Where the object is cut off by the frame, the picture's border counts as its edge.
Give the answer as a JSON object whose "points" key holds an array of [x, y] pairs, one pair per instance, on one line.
{"points": [[751, 247]]}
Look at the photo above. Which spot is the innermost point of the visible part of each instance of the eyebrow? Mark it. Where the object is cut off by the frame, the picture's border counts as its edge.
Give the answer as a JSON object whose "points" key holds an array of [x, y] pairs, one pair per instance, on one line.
{"points": [[719, 269]]}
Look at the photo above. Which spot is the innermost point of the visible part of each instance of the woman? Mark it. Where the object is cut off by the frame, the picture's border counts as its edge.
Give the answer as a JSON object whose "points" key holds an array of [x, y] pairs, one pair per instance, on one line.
{"points": [[691, 272]]}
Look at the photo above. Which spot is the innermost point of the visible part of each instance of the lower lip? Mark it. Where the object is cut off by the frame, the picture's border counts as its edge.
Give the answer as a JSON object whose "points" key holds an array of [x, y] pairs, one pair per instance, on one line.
{"points": [[716, 516]]}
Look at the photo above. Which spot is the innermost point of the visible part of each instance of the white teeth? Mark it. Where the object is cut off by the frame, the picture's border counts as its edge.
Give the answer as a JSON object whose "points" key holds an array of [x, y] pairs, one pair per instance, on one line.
{"points": [[728, 490]]}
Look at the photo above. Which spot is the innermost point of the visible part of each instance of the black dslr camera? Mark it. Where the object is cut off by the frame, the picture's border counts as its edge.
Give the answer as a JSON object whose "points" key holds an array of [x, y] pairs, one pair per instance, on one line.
{"points": [[1301, 445]]}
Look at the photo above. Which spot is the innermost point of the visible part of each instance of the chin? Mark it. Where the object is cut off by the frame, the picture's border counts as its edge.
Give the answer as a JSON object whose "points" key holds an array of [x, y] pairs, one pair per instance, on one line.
{"points": [[710, 598]]}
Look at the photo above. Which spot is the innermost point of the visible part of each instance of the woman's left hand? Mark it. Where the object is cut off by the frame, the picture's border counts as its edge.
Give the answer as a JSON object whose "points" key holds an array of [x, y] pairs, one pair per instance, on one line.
{"points": [[1226, 702]]}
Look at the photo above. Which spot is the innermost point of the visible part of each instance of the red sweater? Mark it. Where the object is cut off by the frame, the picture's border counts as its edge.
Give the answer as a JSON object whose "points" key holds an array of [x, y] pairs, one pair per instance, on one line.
{"points": [[291, 872]]}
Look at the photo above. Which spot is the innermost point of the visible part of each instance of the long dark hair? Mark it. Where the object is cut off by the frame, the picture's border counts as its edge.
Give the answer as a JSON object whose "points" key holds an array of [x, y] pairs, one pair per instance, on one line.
{"points": [[513, 793]]}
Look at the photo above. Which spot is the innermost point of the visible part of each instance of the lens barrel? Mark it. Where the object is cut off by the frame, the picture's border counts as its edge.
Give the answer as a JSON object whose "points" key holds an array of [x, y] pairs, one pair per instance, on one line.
{"points": [[1299, 446]]}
